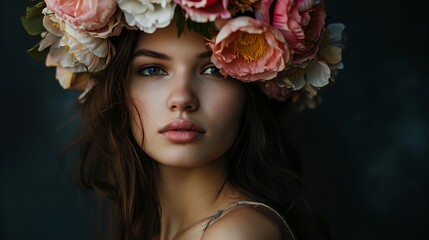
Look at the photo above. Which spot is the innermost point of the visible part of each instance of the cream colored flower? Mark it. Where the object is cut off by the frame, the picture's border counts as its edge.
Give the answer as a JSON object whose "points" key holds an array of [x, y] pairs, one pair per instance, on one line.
{"points": [[72, 50], [317, 74], [147, 15], [69, 79], [332, 45], [305, 79]]}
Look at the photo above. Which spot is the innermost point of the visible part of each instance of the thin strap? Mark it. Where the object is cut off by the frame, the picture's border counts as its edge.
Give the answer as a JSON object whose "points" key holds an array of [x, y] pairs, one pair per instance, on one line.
{"points": [[248, 203]]}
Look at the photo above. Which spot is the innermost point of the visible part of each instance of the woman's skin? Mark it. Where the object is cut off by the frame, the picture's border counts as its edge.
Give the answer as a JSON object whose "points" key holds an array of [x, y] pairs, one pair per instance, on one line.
{"points": [[190, 116]]}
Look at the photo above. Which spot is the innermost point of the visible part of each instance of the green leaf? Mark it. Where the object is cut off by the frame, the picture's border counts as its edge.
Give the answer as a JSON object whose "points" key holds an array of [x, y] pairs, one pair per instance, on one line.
{"points": [[32, 21], [33, 26], [201, 28], [180, 21], [35, 54]]}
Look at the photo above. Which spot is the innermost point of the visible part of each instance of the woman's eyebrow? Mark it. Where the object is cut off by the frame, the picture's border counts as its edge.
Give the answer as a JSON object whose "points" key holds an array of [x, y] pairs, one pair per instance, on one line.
{"points": [[150, 53], [163, 56], [205, 54]]}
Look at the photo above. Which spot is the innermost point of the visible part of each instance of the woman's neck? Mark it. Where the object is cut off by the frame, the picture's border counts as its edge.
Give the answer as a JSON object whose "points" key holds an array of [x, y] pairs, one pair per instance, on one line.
{"points": [[188, 196]]}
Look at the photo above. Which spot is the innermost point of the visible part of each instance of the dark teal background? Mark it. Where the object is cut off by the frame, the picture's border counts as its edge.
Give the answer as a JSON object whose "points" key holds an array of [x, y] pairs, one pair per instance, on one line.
{"points": [[365, 150]]}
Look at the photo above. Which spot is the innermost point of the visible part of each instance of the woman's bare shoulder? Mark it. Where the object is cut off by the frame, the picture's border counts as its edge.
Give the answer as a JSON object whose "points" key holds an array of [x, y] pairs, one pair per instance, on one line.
{"points": [[248, 223]]}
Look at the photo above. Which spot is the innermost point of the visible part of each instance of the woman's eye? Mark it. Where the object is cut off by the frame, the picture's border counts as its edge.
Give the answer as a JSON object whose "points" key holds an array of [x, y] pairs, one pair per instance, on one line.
{"points": [[152, 71], [212, 70]]}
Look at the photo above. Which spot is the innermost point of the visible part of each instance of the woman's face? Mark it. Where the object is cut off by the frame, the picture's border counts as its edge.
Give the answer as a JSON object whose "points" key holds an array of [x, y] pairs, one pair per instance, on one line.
{"points": [[189, 113]]}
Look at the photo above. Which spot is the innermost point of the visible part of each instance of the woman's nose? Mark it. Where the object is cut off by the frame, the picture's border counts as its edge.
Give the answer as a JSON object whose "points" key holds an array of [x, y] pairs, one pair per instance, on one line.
{"points": [[182, 97]]}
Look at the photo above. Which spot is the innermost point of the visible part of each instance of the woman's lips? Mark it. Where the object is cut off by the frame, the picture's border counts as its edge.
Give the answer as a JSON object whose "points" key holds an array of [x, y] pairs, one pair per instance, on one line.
{"points": [[182, 131], [182, 136]]}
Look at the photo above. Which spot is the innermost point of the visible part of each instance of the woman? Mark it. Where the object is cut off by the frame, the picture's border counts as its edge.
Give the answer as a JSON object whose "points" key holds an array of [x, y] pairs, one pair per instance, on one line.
{"points": [[179, 135]]}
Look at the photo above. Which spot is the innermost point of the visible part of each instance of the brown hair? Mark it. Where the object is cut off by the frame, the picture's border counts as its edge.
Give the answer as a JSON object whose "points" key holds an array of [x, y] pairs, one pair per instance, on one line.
{"points": [[114, 165]]}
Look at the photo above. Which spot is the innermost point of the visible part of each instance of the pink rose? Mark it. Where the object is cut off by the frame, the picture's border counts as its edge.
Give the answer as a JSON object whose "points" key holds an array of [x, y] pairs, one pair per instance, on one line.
{"points": [[249, 50], [300, 21], [93, 16], [205, 10]]}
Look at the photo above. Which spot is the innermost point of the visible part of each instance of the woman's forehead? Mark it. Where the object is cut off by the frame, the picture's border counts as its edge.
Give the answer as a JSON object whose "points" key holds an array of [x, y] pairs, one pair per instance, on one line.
{"points": [[166, 39]]}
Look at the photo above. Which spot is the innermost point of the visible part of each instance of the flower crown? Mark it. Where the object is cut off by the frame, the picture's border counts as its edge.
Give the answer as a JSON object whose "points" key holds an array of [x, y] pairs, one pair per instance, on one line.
{"points": [[283, 45]]}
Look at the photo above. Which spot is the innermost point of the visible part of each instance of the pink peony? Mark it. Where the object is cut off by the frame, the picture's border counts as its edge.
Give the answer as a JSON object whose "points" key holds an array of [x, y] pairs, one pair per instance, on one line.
{"points": [[300, 21], [98, 18], [249, 50], [205, 10]]}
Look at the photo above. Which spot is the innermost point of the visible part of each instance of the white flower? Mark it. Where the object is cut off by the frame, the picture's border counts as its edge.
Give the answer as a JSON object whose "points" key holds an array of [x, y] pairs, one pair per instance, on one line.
{"points": [[293, 78], [71, 49], [304, 79], [318, 74], [147, 15], [332, 45]]}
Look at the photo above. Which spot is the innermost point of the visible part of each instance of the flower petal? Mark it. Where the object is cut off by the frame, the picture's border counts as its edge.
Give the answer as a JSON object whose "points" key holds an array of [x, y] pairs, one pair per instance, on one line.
{"points": [[318, 73]]}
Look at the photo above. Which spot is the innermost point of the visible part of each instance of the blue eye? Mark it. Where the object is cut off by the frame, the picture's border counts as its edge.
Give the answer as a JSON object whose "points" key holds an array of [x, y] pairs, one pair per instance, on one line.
{"points": [[212, 70], [152, 71]]}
